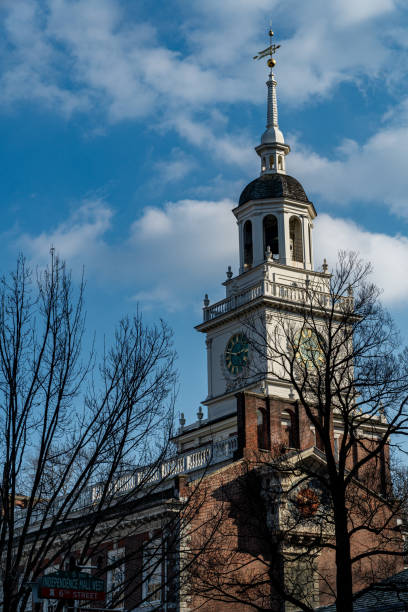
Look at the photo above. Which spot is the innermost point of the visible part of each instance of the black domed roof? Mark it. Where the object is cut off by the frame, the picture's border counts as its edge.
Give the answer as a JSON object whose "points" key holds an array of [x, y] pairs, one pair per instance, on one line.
{"points": [[273, 186]]}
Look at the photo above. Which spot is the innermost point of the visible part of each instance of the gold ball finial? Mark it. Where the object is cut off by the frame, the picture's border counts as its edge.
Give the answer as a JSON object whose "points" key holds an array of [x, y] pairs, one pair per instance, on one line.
{"points": [[271, 62]]}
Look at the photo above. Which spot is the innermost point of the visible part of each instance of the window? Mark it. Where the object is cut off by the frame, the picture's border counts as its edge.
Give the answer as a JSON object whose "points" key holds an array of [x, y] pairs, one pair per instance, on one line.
{"points": [[270, 234], [280, 162], [115, 578], [262, 429], [263, 164], [271, 162], [383, 473], [295, 239], [336, 447], [248, 253], [152, 572], [289, 429]]}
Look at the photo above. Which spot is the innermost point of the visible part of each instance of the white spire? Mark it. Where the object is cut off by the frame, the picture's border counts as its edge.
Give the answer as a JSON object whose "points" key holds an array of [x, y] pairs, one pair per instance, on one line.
{"points": [[273, 133], [272, 149]]}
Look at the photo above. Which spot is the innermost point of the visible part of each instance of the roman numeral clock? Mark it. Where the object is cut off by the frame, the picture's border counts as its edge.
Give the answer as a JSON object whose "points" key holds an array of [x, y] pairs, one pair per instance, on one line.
{"points": [[236, 354]]}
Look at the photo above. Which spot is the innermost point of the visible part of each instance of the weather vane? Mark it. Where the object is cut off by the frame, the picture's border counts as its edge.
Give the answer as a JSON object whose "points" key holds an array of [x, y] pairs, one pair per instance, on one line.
{"points": [[271, 50]]}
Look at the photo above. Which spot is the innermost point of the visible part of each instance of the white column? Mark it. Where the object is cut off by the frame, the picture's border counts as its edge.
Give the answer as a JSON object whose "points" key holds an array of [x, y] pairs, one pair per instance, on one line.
{"points": [[208, 343], [241, 247], [309, 233], [305, 243], [281, 237], [257, 239], [286, 257]]}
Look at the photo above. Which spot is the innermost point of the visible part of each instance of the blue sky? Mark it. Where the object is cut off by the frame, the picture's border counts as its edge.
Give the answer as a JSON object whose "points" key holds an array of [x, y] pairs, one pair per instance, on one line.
{"points": [[127, 132]]}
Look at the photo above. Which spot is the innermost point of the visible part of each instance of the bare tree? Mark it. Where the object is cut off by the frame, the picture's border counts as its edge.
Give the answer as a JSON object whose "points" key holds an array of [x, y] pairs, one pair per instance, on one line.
{"points": [[76, 433], [320, 511]]}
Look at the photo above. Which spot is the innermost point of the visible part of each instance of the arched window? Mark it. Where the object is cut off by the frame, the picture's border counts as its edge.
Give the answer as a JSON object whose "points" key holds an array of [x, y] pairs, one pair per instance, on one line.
{"points": [[271, 162], [289, 429], [295, 237], [270, 234], [286, 429], [262, 429], [280, 162], [263, 164], [248, 249]]}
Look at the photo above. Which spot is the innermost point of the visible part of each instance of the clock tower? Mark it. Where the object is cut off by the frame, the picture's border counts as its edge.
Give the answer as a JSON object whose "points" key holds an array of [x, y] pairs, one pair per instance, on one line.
{"points": [[275, 225]]}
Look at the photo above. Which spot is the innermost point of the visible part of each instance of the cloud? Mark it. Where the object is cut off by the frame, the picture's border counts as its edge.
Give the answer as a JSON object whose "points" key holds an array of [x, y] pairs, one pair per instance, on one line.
{"points": [[175, 254], [231, 147], [79, 239], [112, 63], [171, 257], [185, 248], [374, 172], [175, 168], [388, 254], [96, 54]]}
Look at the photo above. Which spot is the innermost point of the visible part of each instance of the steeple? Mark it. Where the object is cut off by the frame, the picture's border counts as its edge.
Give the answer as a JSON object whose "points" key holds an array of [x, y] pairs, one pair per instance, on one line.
{"points": [[272, 149]]}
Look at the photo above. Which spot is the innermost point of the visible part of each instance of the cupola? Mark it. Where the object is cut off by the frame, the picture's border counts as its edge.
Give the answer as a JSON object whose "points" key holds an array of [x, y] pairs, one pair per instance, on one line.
{"points": [[274, 214]]}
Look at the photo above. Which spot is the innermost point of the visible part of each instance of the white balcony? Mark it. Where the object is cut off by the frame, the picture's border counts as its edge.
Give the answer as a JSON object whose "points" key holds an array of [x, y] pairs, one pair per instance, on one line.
{"points": [[186, 463], [280, 292]]}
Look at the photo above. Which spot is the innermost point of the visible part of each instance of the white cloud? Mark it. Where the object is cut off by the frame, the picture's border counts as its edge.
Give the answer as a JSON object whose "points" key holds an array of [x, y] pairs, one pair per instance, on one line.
{"points": [[79, 239], [232, 147], [388, 254], [176, 167], [96, 54], [372, 172], [173, 255], [350, 11], [185, 247]]}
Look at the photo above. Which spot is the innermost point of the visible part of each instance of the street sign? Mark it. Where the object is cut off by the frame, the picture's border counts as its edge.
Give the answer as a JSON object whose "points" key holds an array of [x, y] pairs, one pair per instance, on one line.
{"points": [[71, 585]]}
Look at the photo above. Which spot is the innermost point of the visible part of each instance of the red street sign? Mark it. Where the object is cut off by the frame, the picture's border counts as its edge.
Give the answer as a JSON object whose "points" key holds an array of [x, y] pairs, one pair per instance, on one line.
{"points": [[56, 593]]}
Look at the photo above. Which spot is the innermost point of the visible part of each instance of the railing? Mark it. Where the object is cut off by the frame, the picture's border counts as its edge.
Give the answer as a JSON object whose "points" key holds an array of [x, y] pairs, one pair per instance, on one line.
{"points": [[181, 464], [281, 291]]}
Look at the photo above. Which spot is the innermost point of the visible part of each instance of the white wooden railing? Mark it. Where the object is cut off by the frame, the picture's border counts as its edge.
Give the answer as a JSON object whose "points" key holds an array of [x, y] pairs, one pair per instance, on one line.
{"points": [[184, 463], [279, 291]]}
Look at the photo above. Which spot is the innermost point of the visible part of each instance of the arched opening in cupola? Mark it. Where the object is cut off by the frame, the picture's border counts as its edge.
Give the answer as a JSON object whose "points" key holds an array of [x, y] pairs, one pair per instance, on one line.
{"points": [[270, 234], [271, 162], [280, 162], [295, 239], [248, 248]]}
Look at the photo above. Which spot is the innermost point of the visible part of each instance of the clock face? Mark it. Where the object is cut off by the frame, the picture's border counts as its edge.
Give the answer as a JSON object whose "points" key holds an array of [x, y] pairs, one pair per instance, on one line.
{"points": [[308, 349], [236, 353]]}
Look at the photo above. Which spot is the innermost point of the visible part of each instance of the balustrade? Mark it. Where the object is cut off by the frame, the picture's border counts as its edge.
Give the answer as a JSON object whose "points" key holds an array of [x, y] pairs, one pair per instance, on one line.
{"points": [[281, 291], [187, 462]]}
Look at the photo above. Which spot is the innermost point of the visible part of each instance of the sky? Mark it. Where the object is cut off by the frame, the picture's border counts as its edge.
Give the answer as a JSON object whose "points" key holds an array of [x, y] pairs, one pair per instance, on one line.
{"points": [[127, 132]]}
